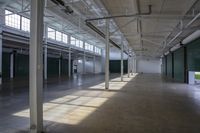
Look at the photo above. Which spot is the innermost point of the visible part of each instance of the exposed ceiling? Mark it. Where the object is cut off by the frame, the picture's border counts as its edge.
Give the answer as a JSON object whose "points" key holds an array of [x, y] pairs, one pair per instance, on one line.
{"points": [[147, 39], [147, 35]]}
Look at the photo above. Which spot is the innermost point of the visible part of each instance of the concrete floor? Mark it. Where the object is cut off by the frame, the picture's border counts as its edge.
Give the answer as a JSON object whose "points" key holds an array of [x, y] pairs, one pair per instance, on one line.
{"points": [[141, 104]]}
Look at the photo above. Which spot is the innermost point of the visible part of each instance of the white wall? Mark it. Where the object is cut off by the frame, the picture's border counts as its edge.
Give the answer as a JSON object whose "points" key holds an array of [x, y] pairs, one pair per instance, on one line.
{"points": [[115, 54], [89, 65], [148, 65]]}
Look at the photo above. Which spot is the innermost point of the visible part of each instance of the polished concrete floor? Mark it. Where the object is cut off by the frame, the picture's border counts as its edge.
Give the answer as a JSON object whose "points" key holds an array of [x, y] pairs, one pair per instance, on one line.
{"points": [[143, 103]]}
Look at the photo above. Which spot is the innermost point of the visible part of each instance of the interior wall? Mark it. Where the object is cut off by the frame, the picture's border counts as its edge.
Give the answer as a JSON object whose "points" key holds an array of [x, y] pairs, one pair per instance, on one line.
{"points": [[89, 67], [193, 55], [169, 65], [148, 65], [179, 65], [98, 65]]}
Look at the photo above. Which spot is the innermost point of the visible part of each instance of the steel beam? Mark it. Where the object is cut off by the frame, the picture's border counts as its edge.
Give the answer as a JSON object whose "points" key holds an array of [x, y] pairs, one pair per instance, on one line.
{"points": [[36, 67]]}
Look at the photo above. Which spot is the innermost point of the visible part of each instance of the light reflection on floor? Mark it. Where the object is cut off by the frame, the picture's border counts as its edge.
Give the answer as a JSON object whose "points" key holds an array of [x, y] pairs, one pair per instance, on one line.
{"points": [[75, 107]]}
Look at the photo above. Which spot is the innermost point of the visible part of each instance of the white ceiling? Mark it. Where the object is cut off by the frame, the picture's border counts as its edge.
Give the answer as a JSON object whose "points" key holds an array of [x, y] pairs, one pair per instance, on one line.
{"points": [[166, 14], [144, 34]]}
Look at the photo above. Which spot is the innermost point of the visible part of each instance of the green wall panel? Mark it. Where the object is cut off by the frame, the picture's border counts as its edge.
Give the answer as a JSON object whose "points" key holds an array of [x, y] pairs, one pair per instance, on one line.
{"points": [[21, 65], [64, 67], [115, 66], [52, 66], [169, 65], [5, 65], [193, 55], [179, 65], [164, 66]]}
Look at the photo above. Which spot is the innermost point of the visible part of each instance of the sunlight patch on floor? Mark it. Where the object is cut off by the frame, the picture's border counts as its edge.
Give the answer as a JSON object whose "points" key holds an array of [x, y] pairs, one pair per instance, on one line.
{"points": [[74, 108]]}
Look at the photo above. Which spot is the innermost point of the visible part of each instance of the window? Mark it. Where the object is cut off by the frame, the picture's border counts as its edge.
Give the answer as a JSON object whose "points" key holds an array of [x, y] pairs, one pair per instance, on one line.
{"points": [[25, 24], [97, 50], [91, 48], [51, 33], [77, 43], [81, 44], [87, 46], [12, 20], [58, 36], [65, 38], [73, 41]]}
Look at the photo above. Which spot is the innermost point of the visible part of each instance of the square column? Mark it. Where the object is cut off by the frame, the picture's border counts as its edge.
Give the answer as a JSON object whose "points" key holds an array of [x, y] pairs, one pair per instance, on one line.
{"points": [[69, 63], [36, 66], [122, 59], [107, 56]]}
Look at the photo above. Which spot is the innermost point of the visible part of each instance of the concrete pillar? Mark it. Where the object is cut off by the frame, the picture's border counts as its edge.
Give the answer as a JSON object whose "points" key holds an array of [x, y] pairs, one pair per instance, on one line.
{"points": [[84, 60], [69, 63], [107, 56], [59, 66], [128, 66], [36, 66], [0, 55], [2, 22], [94, 63], [45, 61], [122, 59], [45, 50], [12, 65], [132, 65]]}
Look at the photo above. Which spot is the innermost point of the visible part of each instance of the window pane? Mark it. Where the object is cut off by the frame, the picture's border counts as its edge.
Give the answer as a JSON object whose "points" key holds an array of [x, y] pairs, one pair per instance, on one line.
{"points": [[25, 24], [81, 44], [65, 38], [73, 41], [51, 33], [77, 43], [12, 20], [58, 36]]}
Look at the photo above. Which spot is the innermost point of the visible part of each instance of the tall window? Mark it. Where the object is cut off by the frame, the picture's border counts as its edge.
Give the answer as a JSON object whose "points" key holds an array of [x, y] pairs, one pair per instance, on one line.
{"points": [[58, 36], [51, 33], [77, 43], [87, 46], [25, 24], [97, 50], [81, 44], [12, 20], [65, 38], [73, 41]]}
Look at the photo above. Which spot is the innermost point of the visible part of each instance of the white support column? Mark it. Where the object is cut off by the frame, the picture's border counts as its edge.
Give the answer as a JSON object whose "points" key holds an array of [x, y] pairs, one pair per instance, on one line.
{"points": [[69, 63], [122, 59], [128, 66], [36, 66], [94, 63], [59, 65], [45, 50], [107, 56], [132, 60], [84, 59], [2, 22], [45, 61], [0, 55], [12, 65]]}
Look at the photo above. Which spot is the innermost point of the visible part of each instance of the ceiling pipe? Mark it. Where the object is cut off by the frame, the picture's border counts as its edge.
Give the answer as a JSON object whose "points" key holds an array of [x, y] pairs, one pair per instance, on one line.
{"points": [[122, 16], [188, 24], [90, 25]]}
